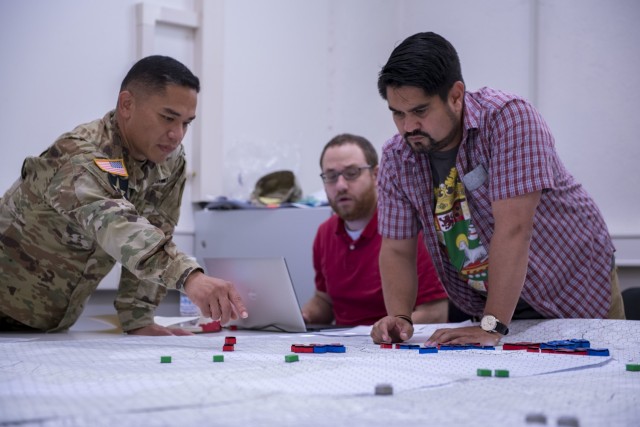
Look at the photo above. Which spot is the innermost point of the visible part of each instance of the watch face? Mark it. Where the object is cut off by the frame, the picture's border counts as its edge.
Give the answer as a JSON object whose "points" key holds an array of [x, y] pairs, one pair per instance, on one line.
{"points": [[488, 323]]}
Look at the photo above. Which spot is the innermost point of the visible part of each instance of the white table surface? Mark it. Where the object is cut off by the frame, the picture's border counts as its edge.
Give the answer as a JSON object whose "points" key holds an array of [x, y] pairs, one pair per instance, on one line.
{"points": [[94, 376]]}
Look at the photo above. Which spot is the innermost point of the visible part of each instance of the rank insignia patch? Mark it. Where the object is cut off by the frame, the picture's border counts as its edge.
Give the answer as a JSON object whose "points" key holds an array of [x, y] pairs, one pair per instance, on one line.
{"points": [[120, 184]]}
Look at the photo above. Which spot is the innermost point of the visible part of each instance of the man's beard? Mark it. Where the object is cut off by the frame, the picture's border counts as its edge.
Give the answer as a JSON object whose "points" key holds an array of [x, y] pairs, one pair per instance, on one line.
{"points": [[433, 144], [362, 206]]}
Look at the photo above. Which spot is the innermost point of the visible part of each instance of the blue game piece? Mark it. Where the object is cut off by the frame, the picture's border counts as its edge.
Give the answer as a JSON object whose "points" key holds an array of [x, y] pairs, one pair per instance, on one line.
{"points": [[453, 347], [336, 348], [320, 348], [478, 347], [409, 346], [558, 344], [425, 350], [597, 352], [581, 343]]}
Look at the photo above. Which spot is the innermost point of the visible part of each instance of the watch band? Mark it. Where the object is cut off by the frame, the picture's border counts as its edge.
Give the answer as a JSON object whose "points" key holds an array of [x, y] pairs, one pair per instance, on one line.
{"points": [[490, 323], [501, 328]]}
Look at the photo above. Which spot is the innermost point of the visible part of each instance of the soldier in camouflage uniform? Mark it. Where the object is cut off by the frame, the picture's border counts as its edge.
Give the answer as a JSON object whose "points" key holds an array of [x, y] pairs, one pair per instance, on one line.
{"points": [[108, 191]]}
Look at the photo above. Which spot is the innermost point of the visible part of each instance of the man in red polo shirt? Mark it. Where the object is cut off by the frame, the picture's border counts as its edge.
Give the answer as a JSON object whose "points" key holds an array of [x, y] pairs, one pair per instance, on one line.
{"points": [[347, 246]]}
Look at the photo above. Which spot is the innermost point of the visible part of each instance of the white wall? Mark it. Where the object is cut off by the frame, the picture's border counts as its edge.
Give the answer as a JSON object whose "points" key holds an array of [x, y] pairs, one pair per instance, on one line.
{"points": [[589, 94], [62, 65], [319, 75], [296, 73]]}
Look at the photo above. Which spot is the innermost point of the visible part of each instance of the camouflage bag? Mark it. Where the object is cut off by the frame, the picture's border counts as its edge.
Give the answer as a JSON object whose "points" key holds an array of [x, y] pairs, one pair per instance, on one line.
{"points": [[276, 188]]}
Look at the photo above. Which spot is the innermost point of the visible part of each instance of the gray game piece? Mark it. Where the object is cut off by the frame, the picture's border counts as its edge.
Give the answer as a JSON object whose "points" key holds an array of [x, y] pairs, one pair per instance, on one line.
{"points": [[568, 421], [384, 389], [536, 418]]}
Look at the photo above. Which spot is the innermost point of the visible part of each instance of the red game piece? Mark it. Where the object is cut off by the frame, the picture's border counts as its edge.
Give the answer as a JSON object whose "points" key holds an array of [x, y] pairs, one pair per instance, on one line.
{"points": [[227, 347], [301, 348], [213, 326], [230, 340], [520, 345], [576, 352]]}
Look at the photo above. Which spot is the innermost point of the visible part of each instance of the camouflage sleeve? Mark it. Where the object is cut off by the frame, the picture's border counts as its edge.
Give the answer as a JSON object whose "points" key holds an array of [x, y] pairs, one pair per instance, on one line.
{"points": [[137, 300], [82, 193]]}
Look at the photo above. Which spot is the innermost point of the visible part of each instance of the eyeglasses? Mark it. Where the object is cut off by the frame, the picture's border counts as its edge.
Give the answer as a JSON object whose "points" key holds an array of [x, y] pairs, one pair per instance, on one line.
{"points": [[351, 173]]}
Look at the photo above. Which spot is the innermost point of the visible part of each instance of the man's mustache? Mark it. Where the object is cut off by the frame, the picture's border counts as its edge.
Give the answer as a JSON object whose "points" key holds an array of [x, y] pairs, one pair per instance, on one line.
{"points": [[416, 132]]}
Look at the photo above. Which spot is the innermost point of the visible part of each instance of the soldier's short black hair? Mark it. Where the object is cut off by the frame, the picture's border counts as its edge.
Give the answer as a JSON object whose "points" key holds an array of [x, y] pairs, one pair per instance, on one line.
{"points": [[155, 72], [370, 154], [424, 60]]}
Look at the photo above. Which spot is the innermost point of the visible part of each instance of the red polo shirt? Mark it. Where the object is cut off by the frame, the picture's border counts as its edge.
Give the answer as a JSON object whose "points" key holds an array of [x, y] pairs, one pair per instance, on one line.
{"points": [[348, 271]]}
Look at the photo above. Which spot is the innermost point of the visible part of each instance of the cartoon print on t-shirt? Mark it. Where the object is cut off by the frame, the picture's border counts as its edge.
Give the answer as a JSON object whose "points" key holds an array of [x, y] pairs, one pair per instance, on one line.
{"points": [[458, 234]]}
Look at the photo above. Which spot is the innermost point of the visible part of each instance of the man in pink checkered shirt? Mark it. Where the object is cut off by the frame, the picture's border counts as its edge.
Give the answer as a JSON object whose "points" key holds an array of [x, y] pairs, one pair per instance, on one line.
{"points": [[511, 233]]}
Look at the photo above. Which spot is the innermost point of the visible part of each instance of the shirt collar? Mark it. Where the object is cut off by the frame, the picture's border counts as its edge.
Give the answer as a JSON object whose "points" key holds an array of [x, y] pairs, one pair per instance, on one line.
{"points": [[471, 115], [370, 230]]}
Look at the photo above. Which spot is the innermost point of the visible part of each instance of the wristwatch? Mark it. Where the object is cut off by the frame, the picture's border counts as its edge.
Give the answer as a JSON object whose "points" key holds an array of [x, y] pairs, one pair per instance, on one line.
{"points": [[489, 323]]}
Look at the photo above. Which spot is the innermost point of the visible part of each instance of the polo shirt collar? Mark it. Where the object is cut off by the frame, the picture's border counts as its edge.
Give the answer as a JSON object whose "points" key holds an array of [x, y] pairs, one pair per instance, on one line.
{"points": [[370, 230]]}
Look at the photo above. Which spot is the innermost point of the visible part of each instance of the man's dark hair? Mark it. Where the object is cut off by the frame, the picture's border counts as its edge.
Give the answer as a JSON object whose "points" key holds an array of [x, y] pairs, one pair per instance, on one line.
{"points": [[424, 60], [154, 73], [370, 154]]}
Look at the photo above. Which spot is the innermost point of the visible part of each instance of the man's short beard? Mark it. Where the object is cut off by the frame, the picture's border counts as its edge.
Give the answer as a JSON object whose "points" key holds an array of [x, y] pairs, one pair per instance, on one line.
{"points": [[363, 206], [429, 148], [434, 145]]}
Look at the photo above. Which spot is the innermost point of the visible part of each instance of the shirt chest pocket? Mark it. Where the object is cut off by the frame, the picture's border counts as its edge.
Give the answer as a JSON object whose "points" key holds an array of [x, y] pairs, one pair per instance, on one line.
{"points": [[475, 179], [476, 185]]}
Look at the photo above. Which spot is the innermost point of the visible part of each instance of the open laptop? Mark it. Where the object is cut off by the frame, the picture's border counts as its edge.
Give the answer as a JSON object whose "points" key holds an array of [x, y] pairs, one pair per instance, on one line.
{"points": [[267, 291]]}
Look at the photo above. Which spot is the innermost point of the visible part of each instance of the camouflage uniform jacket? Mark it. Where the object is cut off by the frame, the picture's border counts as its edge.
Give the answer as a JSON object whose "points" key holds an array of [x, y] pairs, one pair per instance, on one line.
{"points": [[66, 221]]}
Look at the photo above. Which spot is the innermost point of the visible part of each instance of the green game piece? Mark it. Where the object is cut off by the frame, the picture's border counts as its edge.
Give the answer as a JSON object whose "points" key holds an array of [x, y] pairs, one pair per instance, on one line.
{"points": [[165, 359], [484, 372], [218, 358], [291, 358], [502, 373], [633, 367]]}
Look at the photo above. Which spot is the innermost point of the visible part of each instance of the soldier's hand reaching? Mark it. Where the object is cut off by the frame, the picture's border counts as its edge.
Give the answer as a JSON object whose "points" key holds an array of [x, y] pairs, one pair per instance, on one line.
{"points": [[216, 298]]}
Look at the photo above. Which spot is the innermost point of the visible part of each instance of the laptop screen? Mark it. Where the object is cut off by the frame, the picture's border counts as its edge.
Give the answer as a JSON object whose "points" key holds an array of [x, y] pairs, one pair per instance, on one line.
{"points": [[266, 290]]}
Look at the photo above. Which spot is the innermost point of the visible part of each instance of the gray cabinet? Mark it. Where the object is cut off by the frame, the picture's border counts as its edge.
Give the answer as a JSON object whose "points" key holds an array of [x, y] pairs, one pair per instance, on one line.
{"points": [[287, 232]]}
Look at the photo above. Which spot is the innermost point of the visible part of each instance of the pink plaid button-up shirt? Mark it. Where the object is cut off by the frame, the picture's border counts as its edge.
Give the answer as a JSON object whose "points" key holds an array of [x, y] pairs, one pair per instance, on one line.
{"points": [[507, 150]]}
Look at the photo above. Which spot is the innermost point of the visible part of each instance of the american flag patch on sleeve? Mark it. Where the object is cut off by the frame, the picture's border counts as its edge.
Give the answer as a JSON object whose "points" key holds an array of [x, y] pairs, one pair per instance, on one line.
{"points": [[112, 166]]}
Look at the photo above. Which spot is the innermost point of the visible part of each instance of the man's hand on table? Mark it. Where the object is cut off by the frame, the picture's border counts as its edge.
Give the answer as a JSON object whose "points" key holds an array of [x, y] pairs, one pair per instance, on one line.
{"points": [[157, 330], [391, 329]]}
